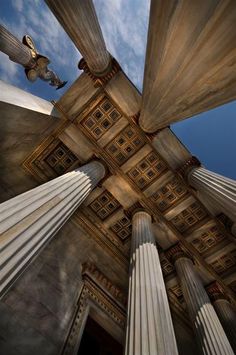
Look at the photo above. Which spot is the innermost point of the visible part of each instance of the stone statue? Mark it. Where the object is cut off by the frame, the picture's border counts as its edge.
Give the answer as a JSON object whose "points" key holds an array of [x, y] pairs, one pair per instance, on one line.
{"points": [[26, 54]]}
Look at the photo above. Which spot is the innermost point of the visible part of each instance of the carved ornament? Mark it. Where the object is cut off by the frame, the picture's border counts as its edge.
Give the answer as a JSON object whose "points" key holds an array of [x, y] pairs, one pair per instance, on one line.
{"points": [[103, 79], [91, 271], [191, 163], [215, 292], [175, 252], [136, 207]]}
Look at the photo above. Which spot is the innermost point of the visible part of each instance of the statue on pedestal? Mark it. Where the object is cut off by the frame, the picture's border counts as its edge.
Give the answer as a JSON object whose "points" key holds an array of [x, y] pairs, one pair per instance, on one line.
{"points": [[26, 54]]}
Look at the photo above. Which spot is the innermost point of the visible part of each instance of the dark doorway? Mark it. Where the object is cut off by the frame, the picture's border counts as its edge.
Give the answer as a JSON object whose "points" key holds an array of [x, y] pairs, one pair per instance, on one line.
{"points": [[96, 341]]}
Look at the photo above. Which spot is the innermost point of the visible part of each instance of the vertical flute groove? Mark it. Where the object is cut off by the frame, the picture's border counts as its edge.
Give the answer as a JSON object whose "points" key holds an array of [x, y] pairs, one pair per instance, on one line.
{"points": [[227, 317], [44, 210], [152, 332], [220, 190], [80, 21], [209, 332]]}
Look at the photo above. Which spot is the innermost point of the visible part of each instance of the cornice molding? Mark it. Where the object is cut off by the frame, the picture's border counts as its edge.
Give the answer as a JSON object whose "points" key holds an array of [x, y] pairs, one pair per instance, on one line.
{"points": [[91, 271]]}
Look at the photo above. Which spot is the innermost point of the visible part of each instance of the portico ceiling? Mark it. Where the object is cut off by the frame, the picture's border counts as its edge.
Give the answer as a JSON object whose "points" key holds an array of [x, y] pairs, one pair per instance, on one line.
{"points": [[102, 122]]}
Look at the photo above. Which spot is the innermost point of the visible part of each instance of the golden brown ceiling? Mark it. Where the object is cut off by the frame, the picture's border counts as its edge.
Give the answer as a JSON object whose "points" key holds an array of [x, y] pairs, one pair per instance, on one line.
{"points": [[138, 173]]}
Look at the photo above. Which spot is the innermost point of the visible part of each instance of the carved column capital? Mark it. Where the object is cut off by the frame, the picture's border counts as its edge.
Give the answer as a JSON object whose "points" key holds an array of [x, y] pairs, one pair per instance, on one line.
{"points": [[130, 211], [103, 78], [226, 221], [135, 117], [107, 173], [154, 135], [189, 164], [176, 252], [215, 292]]}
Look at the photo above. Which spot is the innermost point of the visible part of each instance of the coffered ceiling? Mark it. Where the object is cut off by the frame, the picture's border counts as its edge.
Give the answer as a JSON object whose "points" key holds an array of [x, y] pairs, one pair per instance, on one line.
{"points": [[97, 124]]}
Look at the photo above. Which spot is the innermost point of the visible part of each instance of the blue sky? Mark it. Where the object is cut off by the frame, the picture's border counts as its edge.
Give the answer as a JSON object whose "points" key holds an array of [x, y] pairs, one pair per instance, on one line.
{"points": [[211, 136]]}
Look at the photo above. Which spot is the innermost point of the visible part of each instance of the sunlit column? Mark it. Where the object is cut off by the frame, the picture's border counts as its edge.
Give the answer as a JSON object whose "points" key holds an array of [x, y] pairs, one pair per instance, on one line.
{"points": [[225, 311], [219, 189], [29, 221], [79, 19], [149, 324], [11, 46], [209, 332]]}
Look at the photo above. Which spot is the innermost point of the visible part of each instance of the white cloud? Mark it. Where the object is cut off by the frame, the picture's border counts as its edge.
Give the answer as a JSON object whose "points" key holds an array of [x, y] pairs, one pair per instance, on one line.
{"points": [[18, 5], [9, 71], [124, 25], [34, 18]]}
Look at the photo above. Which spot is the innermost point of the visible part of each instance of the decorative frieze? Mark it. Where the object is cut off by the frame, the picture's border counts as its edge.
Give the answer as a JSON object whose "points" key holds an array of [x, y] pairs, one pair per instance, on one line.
{"points": [[90, 271]]}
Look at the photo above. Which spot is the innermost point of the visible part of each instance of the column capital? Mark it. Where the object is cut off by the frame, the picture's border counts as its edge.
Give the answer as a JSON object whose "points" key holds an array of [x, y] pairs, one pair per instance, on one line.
{"points": [[100, 79], [188, 165], [215, 292], [226, 221], [154, 135], [135, 118], [107, 172], [136, 207], [176, 252]]}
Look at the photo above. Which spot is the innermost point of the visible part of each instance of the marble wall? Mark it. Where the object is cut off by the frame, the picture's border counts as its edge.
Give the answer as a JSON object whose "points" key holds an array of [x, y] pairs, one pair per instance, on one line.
{"points": [[37, 311]]}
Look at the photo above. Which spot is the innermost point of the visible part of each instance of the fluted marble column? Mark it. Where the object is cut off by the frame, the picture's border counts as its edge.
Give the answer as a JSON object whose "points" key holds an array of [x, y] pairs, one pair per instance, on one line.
{"points": [[225, 312], [206, 325], [79, 19], [219, 189], [28, 221], [10, 45], [149, 325]]}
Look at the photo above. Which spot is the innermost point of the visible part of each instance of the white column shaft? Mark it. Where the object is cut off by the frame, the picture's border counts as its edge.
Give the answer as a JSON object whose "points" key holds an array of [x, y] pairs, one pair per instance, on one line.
{"points": [[209, 332], [227, 317], [219, 189], [149, 325], [79, 19], [29, 220], [11, 46]]}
